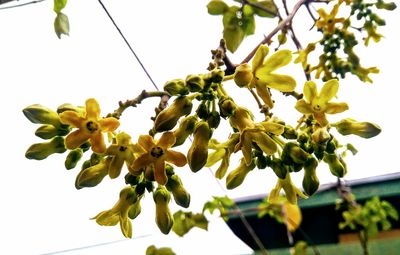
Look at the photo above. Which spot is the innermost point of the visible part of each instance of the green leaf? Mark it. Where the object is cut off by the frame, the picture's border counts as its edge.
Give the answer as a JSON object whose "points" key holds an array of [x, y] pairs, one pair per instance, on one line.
{"points": [[59, 5], [61, 25], [233, 37], [200, 221], [182, 223], [266, 9], [217, 7], [249, 25]]}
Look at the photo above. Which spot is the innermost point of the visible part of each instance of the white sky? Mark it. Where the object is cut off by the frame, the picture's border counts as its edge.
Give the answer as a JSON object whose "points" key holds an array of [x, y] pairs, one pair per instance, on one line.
{"points": [[41, 210]]}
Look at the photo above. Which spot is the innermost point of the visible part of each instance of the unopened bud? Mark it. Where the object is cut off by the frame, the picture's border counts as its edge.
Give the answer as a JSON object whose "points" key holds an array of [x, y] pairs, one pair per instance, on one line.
{"points": [[337, 166], [41, 151], [213, 119], [181, 196], [176, 87], [227, 107], [295, 153], [237, 176], [48, 131], [164, 217], [42, 115], [243, 75], [195, 83], [93, 175], [362, 129], [198, 152], [310, 179], [168, 118], [279, 168], [320, 136], [135, 209], [73, 158], [217, 75]]}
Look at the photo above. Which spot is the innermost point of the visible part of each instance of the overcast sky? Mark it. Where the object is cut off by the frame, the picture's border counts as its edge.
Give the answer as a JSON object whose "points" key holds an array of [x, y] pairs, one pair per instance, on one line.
{"points": [[42, 212]]}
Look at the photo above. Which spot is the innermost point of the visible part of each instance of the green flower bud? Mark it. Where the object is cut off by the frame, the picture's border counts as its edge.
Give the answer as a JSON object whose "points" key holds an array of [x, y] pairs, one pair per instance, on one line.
{"points": [[289, 132], [181, 196], [42, 115], [217, 7], [213, 119], [48, 131], [310, 179], [93, 175], [261, 162], [387, 6], [176, 87], [243, 75], [217, 75], [164, 217], [135, 209], [70, 107], [41, 151], [337, 166], [202, 111], [226, 107], [185, 129], [85, 164], [321, 136], [237, 176], [131, 179], [279, 168], [195, 83], [362, 129], [73, 158], [168, 118], [198, 152], [293, 152]]}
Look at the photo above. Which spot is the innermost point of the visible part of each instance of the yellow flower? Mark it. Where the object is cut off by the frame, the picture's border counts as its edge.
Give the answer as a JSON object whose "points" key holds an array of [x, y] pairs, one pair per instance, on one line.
{"points": [[258, 133], [291, 191], [90, 127], [119, 212], [327, 22], [122, 151], [303, 55], [318, 104], [156, 154], [262, 74]]}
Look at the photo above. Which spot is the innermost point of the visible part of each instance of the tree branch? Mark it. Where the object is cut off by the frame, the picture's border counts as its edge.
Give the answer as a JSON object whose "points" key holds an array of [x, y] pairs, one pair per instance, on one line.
{"points": [[17, 5], [280, 26]]}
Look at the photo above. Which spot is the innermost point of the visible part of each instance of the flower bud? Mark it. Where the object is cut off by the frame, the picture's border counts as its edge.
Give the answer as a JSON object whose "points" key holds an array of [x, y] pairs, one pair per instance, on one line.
{"points": [[135, 209], [337, 166], [243, 75], [289, 132], [310, 179], [202, 111], [69, 107], [93, 175], [321, 136], [73, 158], [226, 107], [362, 129], [279, 168], [213, 119], [48, 131], [42, 115], [217, 75], [195, 83], [292, 151], [176, 87], [164, 217], [181, 196], [41, 151], [237, 176], [168, 118], [390, 6], [198, 152], [217, 7]]}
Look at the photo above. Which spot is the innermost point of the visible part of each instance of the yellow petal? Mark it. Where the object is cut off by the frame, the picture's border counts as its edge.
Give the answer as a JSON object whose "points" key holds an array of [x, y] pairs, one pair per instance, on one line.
{"points": [[146, 142], [281, 82], [166, 140], [310, 91], [109, 124], [126, 226], [303, 107], [176, 158], [214, 157], [246, 146], [264, 94], [329, 90], [72, 118], [293, 216], [277, 60], [265, 142], [113, 150], [274, 128], [321, 118], [332, 108], [97, 142], [76, 139], [259, 57], [92, 109], [123, 139], [142, 161], [107, 218], [159, 172], [223, 168], [115, 167]]}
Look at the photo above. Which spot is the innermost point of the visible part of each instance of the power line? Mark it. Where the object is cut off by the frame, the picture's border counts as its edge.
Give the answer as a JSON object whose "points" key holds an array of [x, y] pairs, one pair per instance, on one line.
{"points": [[128, 44], [19, 5]]}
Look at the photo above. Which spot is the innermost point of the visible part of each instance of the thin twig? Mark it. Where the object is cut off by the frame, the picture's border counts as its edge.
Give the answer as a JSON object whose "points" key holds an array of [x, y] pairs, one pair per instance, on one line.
{"points": [[280, 26], [19, 5], [137, 100], [129, 46]]}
